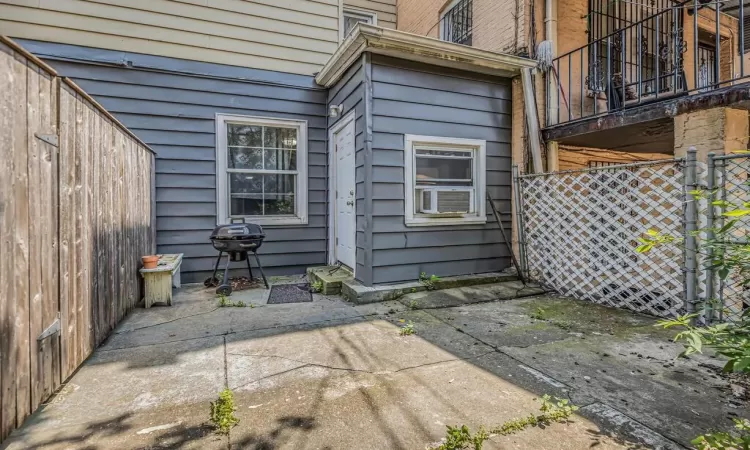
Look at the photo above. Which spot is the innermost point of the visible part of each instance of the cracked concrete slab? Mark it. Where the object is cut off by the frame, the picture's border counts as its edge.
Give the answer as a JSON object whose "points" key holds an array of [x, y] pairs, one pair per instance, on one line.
{"points": [[329, 374]]}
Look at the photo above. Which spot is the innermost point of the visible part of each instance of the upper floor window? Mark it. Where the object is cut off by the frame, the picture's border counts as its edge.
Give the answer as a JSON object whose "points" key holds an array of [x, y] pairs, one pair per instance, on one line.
{"points": [[354, 16], [456, 22], [261, 169]]}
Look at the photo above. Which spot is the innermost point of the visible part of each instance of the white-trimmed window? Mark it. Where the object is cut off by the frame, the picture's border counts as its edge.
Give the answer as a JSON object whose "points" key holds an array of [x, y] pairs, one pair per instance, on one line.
{"points": [[261, 169], [354, 16], [444, 181]]}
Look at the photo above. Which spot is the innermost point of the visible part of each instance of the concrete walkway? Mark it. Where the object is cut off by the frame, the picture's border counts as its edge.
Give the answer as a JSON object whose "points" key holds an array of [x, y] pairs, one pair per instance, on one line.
{"points": [[329, 375]]}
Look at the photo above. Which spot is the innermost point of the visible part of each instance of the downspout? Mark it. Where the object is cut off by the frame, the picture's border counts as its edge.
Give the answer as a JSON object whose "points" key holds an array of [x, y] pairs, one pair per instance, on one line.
{"points": [[550, 35]]}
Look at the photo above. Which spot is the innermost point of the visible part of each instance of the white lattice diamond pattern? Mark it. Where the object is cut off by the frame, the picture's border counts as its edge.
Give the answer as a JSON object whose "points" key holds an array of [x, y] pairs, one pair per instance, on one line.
{"points": [[732, 177], [581, 231]]}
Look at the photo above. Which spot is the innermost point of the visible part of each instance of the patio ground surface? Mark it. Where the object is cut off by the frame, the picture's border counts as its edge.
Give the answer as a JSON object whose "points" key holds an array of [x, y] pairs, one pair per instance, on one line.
{"points": [[329, 375]]}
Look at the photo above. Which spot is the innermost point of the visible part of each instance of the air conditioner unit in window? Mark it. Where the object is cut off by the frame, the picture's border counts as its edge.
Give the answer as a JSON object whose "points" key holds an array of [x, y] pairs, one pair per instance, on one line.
{"points": [[447, 200]]}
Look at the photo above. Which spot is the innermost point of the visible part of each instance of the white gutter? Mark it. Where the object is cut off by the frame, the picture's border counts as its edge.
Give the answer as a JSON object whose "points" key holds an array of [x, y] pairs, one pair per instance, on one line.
{"points": [[413, 47]]}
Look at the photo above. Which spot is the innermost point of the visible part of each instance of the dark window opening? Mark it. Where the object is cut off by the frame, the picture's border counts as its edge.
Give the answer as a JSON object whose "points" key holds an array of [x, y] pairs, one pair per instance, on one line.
{"points": [[457, 23]]}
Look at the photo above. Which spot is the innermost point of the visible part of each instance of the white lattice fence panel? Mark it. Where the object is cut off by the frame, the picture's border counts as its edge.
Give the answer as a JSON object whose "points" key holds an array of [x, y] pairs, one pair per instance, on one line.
{"points": [[734, 182], [581, 231]]}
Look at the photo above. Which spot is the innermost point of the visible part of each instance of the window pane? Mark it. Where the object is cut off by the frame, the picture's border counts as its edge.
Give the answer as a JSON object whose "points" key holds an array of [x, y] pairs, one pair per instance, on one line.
{"points": [[246, 194], [261, 194], [444, 171], [246, 135], [280, 138], [278, 159], [278, 194], [245, 158]]}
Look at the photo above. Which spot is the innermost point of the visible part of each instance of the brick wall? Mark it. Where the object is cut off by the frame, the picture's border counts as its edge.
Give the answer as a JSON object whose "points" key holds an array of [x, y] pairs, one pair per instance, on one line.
{"points": [[420, 16], [495, 25]]}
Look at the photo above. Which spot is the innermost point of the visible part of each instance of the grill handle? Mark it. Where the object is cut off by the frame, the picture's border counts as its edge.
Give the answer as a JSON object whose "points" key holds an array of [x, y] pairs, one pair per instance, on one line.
{"points": [[248, 245]]}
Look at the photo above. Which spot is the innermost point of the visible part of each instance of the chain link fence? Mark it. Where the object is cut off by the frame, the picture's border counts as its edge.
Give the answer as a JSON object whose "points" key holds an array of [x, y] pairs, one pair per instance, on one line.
{"points": [[579, 232], [728, 189]]}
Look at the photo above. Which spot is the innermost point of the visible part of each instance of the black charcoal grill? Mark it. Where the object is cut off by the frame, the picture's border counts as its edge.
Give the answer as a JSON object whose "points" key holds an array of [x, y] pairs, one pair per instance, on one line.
{"points": [[236, 240]]}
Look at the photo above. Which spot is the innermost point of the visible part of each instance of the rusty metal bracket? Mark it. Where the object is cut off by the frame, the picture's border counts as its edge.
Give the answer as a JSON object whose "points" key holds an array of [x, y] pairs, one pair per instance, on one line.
{"points": [[50, 139], [50, 330]]}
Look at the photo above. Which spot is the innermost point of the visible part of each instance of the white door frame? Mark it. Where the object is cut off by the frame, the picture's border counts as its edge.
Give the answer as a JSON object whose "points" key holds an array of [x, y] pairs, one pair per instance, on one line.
{"points": [[338, 126]]}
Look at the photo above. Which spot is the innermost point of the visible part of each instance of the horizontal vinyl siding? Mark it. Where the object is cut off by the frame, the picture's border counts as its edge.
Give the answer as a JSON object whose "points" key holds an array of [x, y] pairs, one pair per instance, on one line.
{"points": [[349, 92], [411, 99], [385, 9], [175, 114], [294, 36]]}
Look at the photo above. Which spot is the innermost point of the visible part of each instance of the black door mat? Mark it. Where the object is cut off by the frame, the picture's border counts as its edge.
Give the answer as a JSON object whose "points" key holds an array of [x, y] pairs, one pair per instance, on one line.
{"points": [[290, 293]]}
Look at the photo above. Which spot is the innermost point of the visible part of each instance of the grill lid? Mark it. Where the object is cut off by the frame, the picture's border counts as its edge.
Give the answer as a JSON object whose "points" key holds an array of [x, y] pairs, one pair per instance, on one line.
{"points": [[238, 231]]}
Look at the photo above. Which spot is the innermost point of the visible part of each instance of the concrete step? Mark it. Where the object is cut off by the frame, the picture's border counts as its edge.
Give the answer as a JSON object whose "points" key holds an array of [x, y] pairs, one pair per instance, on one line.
{"points": [[329, 278], [355, 292]]}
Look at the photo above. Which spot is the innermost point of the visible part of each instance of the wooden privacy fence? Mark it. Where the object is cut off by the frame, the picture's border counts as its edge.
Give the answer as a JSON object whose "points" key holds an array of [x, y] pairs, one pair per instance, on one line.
{"points": [[76, 215]]}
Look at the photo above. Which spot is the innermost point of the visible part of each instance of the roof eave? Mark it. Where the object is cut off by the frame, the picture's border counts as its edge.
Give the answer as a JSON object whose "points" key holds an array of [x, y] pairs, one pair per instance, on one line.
{"points": [[384, 41]]}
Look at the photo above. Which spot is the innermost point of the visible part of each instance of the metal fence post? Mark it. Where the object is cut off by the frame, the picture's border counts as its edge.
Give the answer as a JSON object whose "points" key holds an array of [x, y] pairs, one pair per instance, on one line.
{"points": [[710, 236], [691, 216], [519, 223]]}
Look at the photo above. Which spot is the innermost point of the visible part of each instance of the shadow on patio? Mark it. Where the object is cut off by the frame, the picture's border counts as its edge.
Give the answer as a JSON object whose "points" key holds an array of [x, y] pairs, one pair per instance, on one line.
{"points": [[328, 374]]}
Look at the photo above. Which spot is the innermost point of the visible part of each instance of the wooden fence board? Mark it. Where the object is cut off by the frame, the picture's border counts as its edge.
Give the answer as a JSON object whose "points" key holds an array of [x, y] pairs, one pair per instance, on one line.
{"points": [[75, 219], [20, 301], [35, 228], [8, 112]]}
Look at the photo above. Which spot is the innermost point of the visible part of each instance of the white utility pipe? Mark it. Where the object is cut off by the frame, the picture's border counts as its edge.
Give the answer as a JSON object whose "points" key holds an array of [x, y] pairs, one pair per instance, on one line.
{"points": [[550, 34]]}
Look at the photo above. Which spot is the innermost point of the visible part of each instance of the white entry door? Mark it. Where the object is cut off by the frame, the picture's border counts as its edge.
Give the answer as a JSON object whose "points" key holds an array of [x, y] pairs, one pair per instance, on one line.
{"points": [[345, 217]]}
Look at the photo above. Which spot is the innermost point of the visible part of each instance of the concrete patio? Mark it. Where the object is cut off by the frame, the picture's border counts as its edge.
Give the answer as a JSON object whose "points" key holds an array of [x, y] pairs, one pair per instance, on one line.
{"points": [[327, 374]]}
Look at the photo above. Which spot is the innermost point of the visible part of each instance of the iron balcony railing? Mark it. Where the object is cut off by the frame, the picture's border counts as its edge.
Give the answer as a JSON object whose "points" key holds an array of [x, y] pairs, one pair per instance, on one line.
{"points": [[691, 47]]}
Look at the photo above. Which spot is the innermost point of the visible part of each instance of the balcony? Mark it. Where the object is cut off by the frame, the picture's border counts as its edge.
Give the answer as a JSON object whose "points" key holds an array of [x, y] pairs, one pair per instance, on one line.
{"points": [[686, 49]]}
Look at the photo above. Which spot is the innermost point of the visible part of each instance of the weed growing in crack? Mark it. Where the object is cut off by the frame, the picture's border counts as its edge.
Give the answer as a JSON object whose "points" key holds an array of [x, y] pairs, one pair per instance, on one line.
{"points": [[316, 287], [408, 329], [539, 314], [413, 305], [429, 282], [224, 302], [222, 412], [552, 410]]}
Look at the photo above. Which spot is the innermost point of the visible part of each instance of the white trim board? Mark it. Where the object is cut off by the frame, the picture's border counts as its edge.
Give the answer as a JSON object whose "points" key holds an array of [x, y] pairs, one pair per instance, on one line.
{"points": [[479, 169], [332, 130], [222, 193], [384, 41]]}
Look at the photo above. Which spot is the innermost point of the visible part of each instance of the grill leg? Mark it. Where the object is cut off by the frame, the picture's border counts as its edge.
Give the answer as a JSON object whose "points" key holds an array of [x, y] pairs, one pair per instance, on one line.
{"points": [[216, 267], [257, 259], [226, 270], [250, 269]]}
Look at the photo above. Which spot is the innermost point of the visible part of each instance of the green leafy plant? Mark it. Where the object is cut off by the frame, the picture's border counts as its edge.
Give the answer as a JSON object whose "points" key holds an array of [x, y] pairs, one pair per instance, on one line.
{"points": [[413, 304], [461, 438], [739, 440], [222, 412], [731, 340], [225, 302], [429, 282], [553, 410], [408, 329], [538, 314], [317, 286]]}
